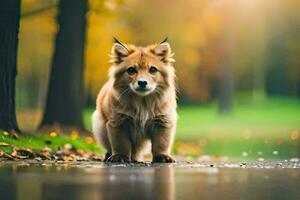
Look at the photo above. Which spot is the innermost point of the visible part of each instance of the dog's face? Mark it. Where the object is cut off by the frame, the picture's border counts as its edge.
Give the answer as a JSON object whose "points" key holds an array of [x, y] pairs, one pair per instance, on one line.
{"points": [[142, 78], [142, 70]]}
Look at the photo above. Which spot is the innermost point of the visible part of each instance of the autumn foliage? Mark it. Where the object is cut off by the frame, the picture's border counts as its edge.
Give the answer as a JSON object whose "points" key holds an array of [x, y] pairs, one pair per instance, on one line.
{"points": [[264, 55]]}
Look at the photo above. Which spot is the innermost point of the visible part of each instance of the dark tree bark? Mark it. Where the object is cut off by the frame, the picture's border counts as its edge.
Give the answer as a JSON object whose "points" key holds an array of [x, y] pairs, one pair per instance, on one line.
{"points": [[226, 79], [277, 82], [277, 76], [9, 28], [226, 85], [64, 104]]}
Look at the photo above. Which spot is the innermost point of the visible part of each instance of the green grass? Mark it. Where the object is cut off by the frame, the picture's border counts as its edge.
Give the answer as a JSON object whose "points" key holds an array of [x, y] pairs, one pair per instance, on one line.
{"points": [[41, 141], [262, 130], [269, 129], [274, 117]]}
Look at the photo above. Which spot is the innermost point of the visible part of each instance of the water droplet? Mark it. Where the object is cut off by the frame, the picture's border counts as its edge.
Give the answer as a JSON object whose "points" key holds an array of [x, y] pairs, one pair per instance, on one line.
{"points": [[261, 159], [275, 152], [294, 159], [243, 165], [112, 178], [245, 154]]}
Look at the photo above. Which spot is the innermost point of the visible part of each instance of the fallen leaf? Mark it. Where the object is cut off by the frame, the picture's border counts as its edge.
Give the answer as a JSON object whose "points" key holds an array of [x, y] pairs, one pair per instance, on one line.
{"points": [[6, 156], [28, 153], [3, 144], [47, 149], [96, 158], [5, 133], [53, 134], [89, 140], [74, 135], [68, 146], [43, 156]]}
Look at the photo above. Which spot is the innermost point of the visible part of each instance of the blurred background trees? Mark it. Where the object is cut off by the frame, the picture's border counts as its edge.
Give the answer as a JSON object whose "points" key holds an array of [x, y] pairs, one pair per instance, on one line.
{"points": [[223, 48], [64, 103]]}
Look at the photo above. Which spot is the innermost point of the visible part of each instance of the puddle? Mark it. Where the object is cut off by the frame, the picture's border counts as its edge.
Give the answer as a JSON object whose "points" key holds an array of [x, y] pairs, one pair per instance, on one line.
{"points": [[95, 180]]}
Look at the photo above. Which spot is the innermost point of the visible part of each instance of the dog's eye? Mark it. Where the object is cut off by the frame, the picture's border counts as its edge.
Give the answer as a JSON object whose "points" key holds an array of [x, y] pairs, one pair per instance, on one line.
{"points": [[153, 70], [131, 71]]}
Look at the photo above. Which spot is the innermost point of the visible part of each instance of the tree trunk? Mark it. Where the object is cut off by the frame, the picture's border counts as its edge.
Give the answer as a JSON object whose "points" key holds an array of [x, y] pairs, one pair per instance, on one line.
{"points": [[226, 84], [277, 76], [64, 104], [9, 28]]}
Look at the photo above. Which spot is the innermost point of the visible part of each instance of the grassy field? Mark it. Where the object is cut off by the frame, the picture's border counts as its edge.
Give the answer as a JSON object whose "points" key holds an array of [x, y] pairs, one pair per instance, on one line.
{"points": [[275, 117], [52, 141], [266, 130], [269, 129]]}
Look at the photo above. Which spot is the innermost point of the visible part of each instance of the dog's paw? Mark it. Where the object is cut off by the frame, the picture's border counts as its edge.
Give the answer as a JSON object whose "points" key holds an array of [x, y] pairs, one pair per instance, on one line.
{"points": [[137, 161], [162, 158], [107, 155], [118, 158]]}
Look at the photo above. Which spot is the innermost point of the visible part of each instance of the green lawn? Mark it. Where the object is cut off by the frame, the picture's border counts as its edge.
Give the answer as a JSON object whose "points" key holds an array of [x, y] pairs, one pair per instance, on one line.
{"points": [[274, 117], [42, 141], [268, 130], [262, 130]]}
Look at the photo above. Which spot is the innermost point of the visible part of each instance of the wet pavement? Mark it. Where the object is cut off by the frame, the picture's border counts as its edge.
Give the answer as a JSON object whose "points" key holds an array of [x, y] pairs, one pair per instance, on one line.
{"points": [[185, 180]]}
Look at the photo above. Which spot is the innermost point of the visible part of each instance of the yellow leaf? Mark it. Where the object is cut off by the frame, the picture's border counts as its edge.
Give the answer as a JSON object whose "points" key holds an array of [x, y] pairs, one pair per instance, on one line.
{"points": [[5, 133], [53, 134]]}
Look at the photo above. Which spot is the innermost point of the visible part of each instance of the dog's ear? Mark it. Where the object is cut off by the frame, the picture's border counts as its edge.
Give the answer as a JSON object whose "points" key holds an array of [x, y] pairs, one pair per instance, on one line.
{"points": [[163, 51], [118, 52]]}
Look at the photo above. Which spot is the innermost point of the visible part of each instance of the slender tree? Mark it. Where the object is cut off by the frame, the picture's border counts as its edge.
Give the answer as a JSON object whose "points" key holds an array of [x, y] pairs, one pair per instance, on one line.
{"points": [[64, 104], [9, 28], [277, 76], [226, 83]]}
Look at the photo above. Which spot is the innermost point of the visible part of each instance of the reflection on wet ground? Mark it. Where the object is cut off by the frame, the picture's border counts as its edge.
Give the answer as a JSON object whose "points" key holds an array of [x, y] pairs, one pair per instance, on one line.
{"points": [[88, 181]]}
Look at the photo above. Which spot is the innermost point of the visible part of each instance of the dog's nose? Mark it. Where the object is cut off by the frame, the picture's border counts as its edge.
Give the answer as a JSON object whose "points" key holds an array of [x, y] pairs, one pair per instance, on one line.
{"points": [[142, 84]]}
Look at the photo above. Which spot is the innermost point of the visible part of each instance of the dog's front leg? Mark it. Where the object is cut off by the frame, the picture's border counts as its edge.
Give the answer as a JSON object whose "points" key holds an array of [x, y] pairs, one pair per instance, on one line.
{"points": [[120, 143], [162, 139]]}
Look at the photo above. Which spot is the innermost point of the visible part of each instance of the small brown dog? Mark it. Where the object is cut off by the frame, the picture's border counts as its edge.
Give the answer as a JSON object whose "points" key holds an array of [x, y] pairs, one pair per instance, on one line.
{"points": [[137, 104]]}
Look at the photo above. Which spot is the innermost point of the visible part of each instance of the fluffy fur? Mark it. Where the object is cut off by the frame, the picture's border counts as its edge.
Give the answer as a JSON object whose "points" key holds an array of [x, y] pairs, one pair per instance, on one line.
{"points": [[128, 116]]}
